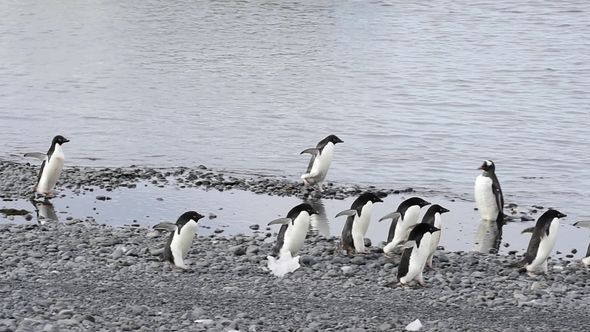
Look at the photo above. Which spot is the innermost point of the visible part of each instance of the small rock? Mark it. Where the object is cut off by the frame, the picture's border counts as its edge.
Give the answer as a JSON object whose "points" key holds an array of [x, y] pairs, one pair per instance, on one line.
{"points": [[255, 227]]}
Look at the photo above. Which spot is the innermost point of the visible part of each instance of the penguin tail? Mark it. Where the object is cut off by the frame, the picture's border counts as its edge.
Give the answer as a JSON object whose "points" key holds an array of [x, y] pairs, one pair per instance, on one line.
{"points": [[392, 283]]}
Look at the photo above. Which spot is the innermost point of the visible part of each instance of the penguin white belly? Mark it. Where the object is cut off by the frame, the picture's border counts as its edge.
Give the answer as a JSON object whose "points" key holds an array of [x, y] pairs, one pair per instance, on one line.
{"points": [[586, 261], [360, 226], [51, 171], [322, 163], [295, 234], [181, 243], [402, 229], [485, 198], [417, 260], [545, 247], [435, 236]]}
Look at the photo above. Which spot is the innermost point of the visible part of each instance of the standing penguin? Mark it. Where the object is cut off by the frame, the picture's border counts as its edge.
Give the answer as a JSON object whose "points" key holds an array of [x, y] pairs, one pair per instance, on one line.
{"points": [[403, 219], [357, 223], [294, 229], [416, 252], [586, 259], [488, 193], [542, 242], [433, 218], [321, 159], [51, 167], [181, 237]]}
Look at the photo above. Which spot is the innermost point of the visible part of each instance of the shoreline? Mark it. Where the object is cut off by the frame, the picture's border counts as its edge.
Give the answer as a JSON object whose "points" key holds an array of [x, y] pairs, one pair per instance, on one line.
{"points": [[57, 277]]}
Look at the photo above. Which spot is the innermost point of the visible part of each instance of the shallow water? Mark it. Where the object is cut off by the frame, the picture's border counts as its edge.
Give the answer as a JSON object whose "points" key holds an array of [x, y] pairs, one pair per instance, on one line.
{"points": [[420, 92], [236, 210]]}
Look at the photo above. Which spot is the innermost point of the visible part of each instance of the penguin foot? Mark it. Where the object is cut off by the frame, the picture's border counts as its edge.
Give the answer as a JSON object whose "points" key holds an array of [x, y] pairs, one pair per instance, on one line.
{"points": [[320, 188], [50, 195], [405, 286], [305, 182], [433, 268], [387, 255], [531, 274], [422, 284], [393, 283]]}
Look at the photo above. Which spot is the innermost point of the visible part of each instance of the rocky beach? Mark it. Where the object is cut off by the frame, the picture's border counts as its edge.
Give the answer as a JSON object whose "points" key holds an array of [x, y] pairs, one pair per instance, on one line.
{"points": [[82, 275]]}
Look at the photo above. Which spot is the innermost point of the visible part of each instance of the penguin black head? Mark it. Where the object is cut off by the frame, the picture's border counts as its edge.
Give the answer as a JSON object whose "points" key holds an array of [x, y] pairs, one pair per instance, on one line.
{"points": [[300, 208], [59, 139], [554, 214], [188, 216], [369, 197], [416, 201], [422, 228], [439, 209], [488, 166], [334, 139]]}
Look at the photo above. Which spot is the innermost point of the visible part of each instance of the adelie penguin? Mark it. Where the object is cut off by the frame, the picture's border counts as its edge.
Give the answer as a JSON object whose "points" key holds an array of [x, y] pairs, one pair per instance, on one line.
{"points": [[181, 237], [488, 193], [321, 159], [53, 162], [357, 223], [586, 259], [416, 252], [433, 218], [541, 243], [403, 219], [293, 230]]}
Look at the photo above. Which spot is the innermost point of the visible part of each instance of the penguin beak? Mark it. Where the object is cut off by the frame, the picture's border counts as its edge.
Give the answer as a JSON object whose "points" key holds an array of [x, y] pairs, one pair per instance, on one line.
{"points": [[443, 210], [66, 140], [378, 200], [561, 215], [483, 167], [434, 229]]}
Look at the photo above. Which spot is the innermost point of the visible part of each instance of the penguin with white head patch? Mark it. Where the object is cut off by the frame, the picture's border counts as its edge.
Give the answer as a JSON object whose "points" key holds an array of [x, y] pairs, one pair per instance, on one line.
{"points": [[433, 218], [321, 159], [357, 223], [416, 252], [53, 162], [403, 219], [294, 229], [488, 193], [542, 242], [181, 237]]}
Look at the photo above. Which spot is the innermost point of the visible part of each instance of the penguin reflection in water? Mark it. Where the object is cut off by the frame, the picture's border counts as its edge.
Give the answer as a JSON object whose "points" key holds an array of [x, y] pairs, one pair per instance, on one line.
{"points": [[53, 162], [415, 255], [541, 243], [357, 223], [181, 237], [293, 229], [321, 159]]}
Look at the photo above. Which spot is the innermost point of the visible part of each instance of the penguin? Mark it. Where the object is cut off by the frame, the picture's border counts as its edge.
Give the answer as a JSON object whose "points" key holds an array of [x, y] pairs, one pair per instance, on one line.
{"points": [[542, 242], [403, 219], [433, 218], [181, 237], [416, 252], [488, 193], [293, 230], [586, 259], [357, 223], [319, 164], [53, 162]]}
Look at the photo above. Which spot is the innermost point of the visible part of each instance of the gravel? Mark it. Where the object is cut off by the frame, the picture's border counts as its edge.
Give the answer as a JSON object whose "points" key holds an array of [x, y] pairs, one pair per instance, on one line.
{"points": [[76, 276], [59, 277]]}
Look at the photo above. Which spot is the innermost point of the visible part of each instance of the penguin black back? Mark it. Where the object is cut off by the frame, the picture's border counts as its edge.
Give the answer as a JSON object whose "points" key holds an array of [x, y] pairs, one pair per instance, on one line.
{"points": [[293, 214], [402, 208], [180, 222], [357, 205], [429, 215], [540, 231], [415, 235], [489, 169]]}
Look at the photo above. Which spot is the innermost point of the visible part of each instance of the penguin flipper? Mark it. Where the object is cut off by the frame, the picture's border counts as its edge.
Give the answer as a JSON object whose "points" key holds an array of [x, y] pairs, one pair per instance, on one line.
{"points": [[528, 230], [393, 215], [588, 251], [38, 155], [407, 244], [165, 226], [312, 151], [280, 221], [585, 223], [395, 219], [349, 213]]}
